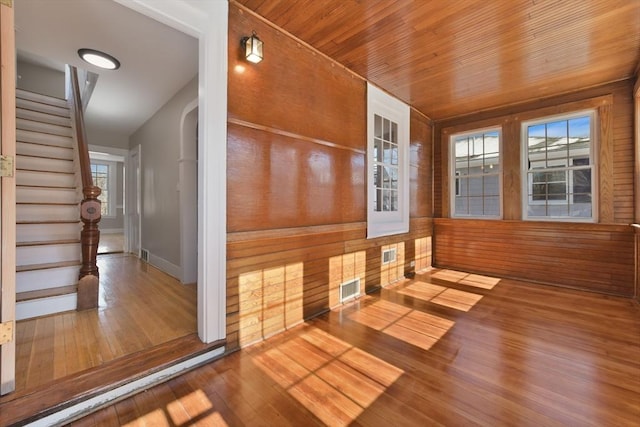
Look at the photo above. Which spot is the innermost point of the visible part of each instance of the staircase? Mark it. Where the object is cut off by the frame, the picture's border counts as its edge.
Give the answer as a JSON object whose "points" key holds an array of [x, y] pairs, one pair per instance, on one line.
{"points": [[48, 223]]}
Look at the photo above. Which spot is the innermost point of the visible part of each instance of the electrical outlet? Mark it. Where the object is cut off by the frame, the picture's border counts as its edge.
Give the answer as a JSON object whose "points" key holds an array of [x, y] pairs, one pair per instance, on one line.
{"points": [[412, 264]]}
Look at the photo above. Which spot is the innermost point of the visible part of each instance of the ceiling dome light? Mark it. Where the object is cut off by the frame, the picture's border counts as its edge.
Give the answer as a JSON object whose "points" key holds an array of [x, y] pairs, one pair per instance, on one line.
{"points": [[99, 59]]}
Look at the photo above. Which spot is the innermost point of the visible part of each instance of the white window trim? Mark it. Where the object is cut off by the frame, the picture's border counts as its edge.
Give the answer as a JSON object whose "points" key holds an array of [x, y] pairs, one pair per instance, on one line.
{"points": [[524, 159], [453, 176], [388, 223], [112, 167]]}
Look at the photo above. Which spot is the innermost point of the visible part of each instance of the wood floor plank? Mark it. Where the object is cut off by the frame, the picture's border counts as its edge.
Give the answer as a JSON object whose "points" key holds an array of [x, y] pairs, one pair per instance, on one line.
{"points": [[520, 355]]}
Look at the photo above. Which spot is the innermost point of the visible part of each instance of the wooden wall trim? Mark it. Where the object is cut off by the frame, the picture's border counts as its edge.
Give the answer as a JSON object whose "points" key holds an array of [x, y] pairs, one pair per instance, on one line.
{"points": [[293, 135], [636, 120], [605, 164]]}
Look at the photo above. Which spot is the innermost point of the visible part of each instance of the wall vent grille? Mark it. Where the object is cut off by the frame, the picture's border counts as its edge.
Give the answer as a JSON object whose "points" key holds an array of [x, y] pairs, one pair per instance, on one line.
{"points": [[389, 256], [144, 255], [350, 289]]}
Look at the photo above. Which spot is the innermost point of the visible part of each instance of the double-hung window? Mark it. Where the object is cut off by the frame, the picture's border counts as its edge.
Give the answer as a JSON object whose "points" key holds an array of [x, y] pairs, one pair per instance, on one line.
{"points": [[475, 174], [103, 174], [387, 164], [558, 165]]}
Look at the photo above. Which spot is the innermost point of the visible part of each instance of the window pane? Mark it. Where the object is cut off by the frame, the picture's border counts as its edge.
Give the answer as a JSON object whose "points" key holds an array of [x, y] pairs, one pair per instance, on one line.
{"points": [[462, 205], [386, 158], [558, 210], [580, 210], [476, 206], [492, 206], [579, 136], [394, 200], [463, 187], [377, 126], [559, 152], [491, 185], [476, 160], [475, 186], [393, 173], [377, 150]]}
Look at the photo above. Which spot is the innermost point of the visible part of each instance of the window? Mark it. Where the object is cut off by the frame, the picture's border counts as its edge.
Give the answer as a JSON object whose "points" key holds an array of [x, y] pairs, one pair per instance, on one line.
{"points": [[387, 164], [475, 166], [103, 174], [558, 164]]}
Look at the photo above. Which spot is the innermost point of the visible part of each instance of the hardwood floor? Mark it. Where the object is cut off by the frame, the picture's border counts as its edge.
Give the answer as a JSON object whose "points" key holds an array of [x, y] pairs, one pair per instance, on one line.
{"points": [[111, 243], [139, 307], [446, 348]]}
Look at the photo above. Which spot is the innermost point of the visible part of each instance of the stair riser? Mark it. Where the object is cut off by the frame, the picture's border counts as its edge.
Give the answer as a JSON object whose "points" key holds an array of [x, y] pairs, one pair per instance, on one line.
{"points": [[43, 108], [47, 213], [36, 280], [43, 138], [45, 165], [44, 179], [22, 113], [47, 232], [46, 306], [46, 195], [29, 255], [38, 97], [43, 127], [47, 151]]}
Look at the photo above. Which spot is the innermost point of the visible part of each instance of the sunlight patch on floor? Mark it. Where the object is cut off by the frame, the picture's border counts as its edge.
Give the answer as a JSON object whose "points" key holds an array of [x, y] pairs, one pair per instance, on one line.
{"points": [[331, 378], [476, 280], [411, 326], [460, 300], [452, 298], [183, 411]]}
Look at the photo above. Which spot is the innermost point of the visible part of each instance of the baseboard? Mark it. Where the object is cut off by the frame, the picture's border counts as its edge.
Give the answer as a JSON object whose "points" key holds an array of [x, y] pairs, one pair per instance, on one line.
{"points": [[166, 266], [112, 231]]}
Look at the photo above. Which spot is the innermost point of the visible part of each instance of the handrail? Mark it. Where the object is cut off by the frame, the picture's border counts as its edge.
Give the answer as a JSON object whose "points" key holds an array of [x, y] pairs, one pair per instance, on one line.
{"points": [[90, 209]]}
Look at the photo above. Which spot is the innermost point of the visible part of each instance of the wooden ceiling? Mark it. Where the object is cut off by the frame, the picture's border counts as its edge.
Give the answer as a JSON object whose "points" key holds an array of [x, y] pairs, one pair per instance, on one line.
{"points": [[449, 58]]}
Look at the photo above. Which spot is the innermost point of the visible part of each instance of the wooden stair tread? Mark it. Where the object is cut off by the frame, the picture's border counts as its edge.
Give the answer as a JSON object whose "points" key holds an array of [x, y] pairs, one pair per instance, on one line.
{"points": [[47, 242], [32, 267], [30, 405], [45, 186], [41, 171], [44, 145], [46, 293], [48, 203], [21, 93], [44, 157], [40, 121], [53, 221]]}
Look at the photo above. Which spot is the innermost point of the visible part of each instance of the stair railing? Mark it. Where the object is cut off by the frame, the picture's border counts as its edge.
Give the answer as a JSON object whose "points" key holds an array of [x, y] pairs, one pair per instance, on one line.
{"points": [[90, 207]]}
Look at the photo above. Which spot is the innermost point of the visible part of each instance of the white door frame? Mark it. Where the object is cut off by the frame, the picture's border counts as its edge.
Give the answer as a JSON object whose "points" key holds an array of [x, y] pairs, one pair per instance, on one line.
{"points": [[187, 194], [208, 22], [8, 190], [133, 202]]}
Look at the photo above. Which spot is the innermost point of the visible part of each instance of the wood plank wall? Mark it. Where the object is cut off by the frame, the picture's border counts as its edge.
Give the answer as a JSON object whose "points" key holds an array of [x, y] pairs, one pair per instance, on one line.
{"points": [[297, 186], [636, 113], [596, 257]]}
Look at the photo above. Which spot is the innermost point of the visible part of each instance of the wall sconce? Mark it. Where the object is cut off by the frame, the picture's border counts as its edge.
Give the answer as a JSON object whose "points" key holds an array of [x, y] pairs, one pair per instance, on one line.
{"points": [[252, 48]]}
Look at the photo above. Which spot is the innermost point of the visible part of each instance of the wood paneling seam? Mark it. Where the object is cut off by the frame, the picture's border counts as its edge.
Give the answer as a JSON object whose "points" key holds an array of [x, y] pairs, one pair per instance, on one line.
{"points": [[292, 135]]}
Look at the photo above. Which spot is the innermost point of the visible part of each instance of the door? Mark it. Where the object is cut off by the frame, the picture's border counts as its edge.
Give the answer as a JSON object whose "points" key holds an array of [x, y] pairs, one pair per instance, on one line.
{"points": [[133, 201], [7, 201]]}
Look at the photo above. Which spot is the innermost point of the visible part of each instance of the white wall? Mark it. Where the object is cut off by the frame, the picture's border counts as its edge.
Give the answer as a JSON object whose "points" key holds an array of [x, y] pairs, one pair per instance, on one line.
{"points": [[160, 141], [38, 79]]}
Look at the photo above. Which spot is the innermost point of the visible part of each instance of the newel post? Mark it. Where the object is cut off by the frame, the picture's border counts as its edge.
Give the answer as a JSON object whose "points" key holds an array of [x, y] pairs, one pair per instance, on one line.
{"points": [[90, 214]]}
